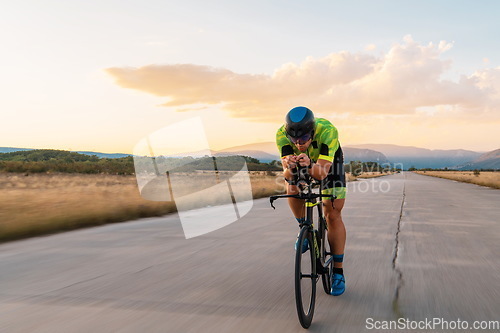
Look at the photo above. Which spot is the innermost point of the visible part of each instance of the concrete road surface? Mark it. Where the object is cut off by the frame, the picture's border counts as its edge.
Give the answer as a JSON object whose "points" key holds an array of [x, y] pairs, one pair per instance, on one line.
{"points": [[418, 248]]}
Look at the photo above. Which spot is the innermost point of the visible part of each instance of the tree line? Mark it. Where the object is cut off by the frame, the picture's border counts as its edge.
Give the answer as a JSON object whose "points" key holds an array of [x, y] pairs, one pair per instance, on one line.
{"points": [[356, 168], [49, 160]]}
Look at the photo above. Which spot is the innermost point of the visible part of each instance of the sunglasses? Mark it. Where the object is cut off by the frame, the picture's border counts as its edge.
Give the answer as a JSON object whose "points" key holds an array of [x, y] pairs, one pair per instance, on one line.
{"points": [[301, 139]]}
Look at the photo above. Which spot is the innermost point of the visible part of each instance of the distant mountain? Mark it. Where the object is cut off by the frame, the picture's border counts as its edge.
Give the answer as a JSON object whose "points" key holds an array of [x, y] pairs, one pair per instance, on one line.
{"points": [[490, 160], [12, 149], [102, 155], [266, 147], [263, 157], [195, 154], [267, 151], [406, 155], [421, 157], [363, 155]]}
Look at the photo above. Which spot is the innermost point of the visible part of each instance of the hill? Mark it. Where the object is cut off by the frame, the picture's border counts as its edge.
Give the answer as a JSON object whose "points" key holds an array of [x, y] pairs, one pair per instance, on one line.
{"points": [[12, 149], [489, 160], [266, 148], [263, 157], [416, 157], [103, 155], [267, 151], [363, 155], [407, 156], [49, 160], [45, 155], [89, 153]]}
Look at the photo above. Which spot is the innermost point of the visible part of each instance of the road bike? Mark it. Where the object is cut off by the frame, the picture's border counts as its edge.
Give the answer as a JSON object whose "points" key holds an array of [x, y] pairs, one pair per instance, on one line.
{"points": [[317, 260]]}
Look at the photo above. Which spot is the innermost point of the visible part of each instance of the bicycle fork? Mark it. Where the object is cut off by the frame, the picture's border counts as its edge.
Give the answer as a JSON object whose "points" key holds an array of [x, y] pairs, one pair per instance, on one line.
{"points": [[316, 247], [309, 207]]}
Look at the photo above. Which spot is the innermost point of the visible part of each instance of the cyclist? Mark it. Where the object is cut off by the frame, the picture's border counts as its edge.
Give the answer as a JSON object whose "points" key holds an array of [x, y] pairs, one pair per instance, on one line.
{"points": [[313, 143]]}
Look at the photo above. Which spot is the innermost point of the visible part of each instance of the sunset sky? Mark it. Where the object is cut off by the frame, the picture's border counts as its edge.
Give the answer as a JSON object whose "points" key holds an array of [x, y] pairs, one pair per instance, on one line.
{"points": [[101, 75]]}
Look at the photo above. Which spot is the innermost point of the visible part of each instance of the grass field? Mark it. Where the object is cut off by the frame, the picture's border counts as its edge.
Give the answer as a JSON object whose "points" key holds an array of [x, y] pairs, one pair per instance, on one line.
{"points": [[37, 204], [365, 175], [485, 178]]}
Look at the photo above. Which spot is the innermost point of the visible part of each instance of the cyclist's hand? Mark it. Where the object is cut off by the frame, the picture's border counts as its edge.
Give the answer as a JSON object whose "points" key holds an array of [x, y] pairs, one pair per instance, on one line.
{"points": [[290, 161], [303, 160]]}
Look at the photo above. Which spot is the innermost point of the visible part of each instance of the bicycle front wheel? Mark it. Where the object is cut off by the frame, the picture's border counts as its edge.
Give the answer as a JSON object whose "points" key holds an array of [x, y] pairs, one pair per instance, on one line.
{"points": [[305, 278]]}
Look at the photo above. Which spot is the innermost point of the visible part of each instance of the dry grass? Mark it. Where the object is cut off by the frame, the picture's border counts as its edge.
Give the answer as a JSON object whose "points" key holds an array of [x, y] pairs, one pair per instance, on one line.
{"points": [[47, 203], [364, 175], [373, 174], [39, 204], [485, 178], [349, 177]]}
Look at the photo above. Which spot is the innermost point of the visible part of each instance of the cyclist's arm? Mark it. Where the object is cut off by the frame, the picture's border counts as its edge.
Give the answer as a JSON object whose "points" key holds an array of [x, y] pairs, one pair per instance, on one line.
{"points": [[320, 169], [329, 145], [317, 170], [287, 154], [288, 167]]}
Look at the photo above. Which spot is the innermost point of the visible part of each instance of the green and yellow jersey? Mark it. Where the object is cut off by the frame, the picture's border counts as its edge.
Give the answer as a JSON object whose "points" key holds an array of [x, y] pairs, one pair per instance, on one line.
{"points": [[325, 145]]}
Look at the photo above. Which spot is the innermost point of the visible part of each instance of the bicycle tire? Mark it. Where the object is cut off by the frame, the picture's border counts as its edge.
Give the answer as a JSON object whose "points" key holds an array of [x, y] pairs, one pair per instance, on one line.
{"points": [[305, 318], [324, 247]]}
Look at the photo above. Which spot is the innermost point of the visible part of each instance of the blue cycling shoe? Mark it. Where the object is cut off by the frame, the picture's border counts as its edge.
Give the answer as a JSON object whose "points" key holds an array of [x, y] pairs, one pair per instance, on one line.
{"points": [[305, 244], [338, 284]]}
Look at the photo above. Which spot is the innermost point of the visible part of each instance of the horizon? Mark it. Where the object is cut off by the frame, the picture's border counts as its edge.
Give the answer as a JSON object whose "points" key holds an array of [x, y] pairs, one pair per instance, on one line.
{"points": [[72, 81], [256, 143]]}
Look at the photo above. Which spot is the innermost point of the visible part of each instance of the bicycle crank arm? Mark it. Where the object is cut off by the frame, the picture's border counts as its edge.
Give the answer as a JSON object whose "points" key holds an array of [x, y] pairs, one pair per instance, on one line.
{"points": [[314, 276]]}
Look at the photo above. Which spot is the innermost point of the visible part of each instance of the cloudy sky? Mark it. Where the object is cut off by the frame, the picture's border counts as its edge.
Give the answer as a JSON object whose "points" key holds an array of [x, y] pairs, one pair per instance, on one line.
{"points": [[101, 75]]}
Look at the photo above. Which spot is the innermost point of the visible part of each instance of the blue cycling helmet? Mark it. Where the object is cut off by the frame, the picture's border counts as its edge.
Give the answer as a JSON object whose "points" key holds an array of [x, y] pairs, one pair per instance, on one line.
{"points": [[299, 123]]}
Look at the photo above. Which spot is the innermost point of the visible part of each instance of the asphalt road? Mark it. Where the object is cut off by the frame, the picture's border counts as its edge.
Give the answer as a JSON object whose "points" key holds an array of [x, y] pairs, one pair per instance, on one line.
{"points": [[418, 247]]}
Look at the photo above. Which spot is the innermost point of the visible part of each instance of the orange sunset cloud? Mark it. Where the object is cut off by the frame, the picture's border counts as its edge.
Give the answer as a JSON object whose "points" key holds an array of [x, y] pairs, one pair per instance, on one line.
{"points": [[400, 82]]}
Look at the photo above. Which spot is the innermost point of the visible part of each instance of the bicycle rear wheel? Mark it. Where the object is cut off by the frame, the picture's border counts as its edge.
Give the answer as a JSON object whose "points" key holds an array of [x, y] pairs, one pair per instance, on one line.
{"points": [[324, 253], [305, 278]]}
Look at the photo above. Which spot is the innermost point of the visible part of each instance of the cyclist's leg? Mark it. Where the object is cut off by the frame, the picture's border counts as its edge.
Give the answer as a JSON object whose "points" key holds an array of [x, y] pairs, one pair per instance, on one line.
{"points": [[335, 184], [336, 237], [296, 205], [336, 229], [298, 210]]}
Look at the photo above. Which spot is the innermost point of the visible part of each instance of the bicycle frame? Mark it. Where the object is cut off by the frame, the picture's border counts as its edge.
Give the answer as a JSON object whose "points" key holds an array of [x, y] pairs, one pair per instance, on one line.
{"points": [[317, 255], [311, 200]]}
